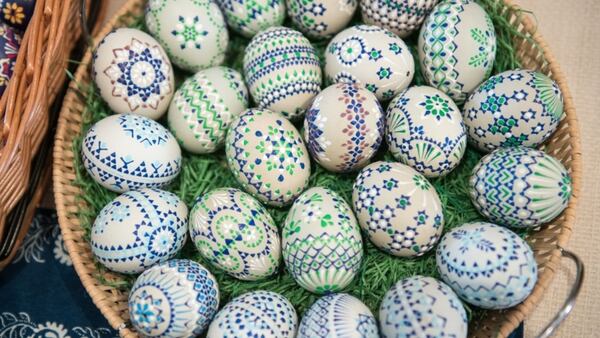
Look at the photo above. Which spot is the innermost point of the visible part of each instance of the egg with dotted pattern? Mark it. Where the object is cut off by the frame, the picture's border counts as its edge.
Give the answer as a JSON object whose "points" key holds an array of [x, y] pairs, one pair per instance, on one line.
{"points": [[401, 17], [398, 209], [321, 19], [249, 17], [139, 229]]}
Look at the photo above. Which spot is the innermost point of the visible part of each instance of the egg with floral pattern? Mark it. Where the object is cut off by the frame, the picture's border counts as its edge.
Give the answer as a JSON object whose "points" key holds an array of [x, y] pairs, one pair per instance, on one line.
{"points": [[17, 13], [487, 265], [372, 56], [204, 106], [127, 152], [255, 314], [248, 17], [520, 187], [516, 107], [338, 315], [397, 208], [133, 73], [401, 17], [425, 129], [457, 47], [282, 71], [235, 232], [321, 19], [321, 241], [421, 306], [193, 32], [344, 127], [139, 229], [177, 298], [10, 42], [267, 156]]}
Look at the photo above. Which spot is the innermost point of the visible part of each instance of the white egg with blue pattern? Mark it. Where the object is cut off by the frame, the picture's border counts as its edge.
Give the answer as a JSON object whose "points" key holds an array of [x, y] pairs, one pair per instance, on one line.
{"points": [[126, 152], [139, 229], [487, 265]]}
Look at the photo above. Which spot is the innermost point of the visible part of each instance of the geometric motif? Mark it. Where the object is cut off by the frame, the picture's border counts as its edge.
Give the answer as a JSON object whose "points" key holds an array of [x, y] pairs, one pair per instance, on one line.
{"points": [[520, 187], [321, 19], [255, 314], [487, 265], [422, 307], [516, 107], [177, 298], [126, 151], [139, 229], [249, 17], [338, 315], [9, 48], [235, 232], [402, 17]]}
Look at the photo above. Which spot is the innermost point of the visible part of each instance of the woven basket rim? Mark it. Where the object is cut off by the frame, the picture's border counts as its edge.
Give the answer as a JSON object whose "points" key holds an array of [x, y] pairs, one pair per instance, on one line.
{"points": [[100, 294]]}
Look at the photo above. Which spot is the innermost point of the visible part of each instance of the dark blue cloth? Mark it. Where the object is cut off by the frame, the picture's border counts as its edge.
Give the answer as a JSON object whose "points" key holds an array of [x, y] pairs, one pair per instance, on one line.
{"points": [[42, 296]]}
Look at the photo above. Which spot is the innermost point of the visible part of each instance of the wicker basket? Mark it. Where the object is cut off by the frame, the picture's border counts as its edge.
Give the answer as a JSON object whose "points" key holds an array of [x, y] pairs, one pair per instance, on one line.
{"points": [[546, 243], [39, 76]]}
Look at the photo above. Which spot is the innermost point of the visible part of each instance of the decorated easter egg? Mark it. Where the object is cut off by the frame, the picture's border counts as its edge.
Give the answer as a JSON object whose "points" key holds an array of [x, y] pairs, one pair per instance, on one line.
{"points": [[517, 107], [457, 47], [338, 315], [421, 306], [255, 314], [248, 17], [344, 127], [133, 73], [193, 32], [10, 42], [425, 129], [400, 17], [17, 13], [520, 187], [139, 229], [370, 55], [204, 106], [282, 71], [235, 232], [487, 265], [398, 209], [321, 241], [321, 19], [267, 156], [126, 152], [177, 298]]}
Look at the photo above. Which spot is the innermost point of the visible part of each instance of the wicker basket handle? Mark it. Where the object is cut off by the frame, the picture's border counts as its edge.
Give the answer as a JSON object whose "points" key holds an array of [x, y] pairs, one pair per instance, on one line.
{"points": [[571, 298]]}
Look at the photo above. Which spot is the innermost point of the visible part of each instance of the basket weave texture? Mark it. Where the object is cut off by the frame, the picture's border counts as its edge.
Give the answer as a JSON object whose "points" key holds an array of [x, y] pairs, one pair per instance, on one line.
{"points": [[39, 75], [531, 51]]}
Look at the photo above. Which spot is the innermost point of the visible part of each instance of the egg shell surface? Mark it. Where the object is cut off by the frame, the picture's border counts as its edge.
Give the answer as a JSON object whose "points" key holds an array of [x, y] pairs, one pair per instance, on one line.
{"points": [[321, 19], [248, 17], [17, 13], [255, 314], [457, 47], [177, 298], [401, 17], [370, 55], [338, 315], [133, 73], [421, 306], [398, 209], [321, 241], [126, 152], [344, 127], [10, 42], [193, 32], [520, 187], [267, 156], [425, 130], [204, 106], [235, 232], [487, 265], [139, 229], [516, 107], [282, 71]]}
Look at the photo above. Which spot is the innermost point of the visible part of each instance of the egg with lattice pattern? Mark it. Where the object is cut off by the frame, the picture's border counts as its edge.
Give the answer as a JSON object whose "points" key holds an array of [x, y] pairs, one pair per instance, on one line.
{"points": [[402, 17]]}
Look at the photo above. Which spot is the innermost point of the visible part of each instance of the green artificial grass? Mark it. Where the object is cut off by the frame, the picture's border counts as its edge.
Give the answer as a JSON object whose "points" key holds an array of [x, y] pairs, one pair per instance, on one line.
{"points": [[200, 174]]}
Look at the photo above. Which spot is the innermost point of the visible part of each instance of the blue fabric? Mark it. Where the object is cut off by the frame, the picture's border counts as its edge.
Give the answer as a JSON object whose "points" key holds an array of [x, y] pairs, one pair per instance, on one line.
{"points": [[42, 296]]}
